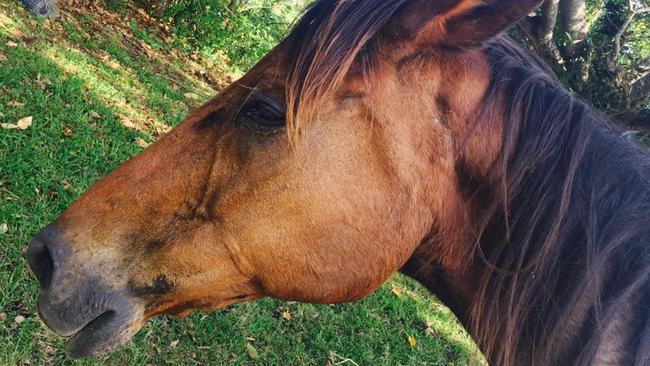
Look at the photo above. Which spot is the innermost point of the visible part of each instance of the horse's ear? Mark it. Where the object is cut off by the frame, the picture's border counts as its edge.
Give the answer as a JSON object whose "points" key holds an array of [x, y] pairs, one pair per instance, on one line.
{"points": [[460, 23]]}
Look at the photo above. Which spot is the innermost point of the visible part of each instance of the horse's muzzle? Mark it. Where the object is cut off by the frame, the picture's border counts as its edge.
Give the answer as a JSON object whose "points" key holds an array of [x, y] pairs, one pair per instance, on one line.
{"points": [[76, 303]]}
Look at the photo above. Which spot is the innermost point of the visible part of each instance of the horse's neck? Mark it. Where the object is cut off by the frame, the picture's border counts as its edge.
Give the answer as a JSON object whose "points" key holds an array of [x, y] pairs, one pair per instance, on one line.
{"points": [[455, 287], [562, 336]]}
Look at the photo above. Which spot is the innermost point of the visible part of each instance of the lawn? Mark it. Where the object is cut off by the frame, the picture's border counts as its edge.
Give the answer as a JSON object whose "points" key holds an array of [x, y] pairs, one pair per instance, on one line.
{"points": [[100, 86]]}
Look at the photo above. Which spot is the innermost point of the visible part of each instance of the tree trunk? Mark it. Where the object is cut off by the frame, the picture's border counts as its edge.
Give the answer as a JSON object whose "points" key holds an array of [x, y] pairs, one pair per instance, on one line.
{"points": [[573, 17], [577, 53], [550, 10], [640, 92]]}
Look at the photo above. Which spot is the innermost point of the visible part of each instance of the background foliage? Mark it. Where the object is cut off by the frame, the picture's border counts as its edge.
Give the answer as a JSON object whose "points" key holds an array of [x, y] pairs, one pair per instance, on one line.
{"points": [[243, 30], [598, 48]]}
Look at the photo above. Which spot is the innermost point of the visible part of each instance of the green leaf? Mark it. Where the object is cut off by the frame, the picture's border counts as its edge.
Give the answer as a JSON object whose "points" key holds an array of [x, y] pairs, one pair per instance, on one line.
{"points": [[252, 352]]}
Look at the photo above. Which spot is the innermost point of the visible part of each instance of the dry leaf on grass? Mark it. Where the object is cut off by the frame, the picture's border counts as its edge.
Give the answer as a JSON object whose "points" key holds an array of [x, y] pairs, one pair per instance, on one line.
{"points": [[429, 330], [127, 122], [12, 44], [396, 292], [67, 132], [3, 58], [19, 319], [94, 114], [22, 124], [14, 104], [412, 341], [191, 95], [142, 143], [4, 228], [286, 315]]}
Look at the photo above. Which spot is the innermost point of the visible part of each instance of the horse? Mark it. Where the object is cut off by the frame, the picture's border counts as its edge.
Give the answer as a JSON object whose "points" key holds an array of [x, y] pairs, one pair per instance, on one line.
{"points": [[378, 136]]}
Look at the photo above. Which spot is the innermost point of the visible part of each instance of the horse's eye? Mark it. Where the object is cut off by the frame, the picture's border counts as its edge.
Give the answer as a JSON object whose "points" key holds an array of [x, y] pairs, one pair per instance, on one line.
{"points": [[263, 114]]}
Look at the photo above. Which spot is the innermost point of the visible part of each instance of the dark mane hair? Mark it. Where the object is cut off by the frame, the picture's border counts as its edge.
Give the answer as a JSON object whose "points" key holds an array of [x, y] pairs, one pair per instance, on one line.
{"points": [[565, 246], [563, 254]]}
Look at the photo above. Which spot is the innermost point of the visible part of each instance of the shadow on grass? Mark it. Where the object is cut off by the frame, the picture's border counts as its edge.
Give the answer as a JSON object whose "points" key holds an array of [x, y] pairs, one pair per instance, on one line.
{"points": [[168, 72]]}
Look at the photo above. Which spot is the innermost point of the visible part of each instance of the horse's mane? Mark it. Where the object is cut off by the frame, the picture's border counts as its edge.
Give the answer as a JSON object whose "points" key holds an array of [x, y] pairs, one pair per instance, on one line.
{"points": [[565, 246], [563, 254]]}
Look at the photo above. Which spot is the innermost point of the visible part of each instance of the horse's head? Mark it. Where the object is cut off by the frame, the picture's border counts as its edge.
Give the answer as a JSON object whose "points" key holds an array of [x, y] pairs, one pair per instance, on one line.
{"points": [[313, 178]]}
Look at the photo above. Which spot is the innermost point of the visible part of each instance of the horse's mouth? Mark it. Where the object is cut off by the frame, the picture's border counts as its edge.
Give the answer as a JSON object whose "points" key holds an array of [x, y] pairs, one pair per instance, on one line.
{"points": [[102, 335]]}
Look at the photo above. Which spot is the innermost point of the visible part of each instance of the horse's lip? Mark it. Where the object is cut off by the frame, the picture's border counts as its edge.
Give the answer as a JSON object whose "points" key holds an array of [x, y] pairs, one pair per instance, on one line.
{"points": [[95, 324], [103, 334]]}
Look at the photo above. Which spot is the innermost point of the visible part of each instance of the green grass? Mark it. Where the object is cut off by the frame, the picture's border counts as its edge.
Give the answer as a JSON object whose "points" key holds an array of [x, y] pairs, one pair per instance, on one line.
{"points": [[106, 87]]}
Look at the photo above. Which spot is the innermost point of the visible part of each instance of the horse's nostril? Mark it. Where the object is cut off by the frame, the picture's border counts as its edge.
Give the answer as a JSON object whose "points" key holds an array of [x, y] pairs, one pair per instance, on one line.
{"points": [[41, 263]]}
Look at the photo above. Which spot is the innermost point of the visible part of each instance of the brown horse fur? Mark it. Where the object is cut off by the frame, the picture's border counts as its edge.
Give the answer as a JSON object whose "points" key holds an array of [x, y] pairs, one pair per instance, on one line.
{"points": [[416, 139]]}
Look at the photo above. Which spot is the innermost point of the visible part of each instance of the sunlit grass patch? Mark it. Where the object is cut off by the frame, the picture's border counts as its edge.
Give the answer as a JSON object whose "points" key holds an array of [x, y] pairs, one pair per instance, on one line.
{"points": [[11, 26]]}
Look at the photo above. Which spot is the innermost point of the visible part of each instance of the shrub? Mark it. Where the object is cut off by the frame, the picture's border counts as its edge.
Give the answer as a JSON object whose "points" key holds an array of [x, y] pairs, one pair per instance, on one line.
{"points": [[245, 30]]}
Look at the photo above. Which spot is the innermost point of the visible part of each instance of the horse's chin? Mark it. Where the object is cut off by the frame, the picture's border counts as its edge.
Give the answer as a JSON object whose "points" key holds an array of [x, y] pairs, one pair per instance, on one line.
{"points": [[103, 335]]}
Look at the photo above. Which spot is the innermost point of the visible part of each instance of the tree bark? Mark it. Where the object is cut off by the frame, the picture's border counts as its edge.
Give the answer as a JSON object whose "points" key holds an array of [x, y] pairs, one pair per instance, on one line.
{"points": [[640, 92], [577, 53], [573, 17], [550, 10]]}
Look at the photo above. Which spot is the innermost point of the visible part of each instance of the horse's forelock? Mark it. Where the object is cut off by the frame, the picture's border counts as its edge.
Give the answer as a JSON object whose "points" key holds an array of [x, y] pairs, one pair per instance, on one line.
{"points": [[328, 40]]}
